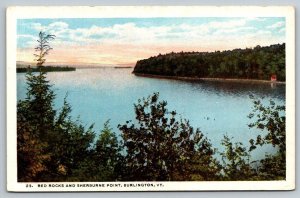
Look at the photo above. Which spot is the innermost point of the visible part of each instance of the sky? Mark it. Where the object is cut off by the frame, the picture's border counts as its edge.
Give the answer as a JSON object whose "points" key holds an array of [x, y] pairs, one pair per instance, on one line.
{"points": [[123, 41]]}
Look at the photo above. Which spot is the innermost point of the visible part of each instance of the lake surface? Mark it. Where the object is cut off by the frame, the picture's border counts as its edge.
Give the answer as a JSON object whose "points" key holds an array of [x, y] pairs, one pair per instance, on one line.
{"points": [[217, 108]]}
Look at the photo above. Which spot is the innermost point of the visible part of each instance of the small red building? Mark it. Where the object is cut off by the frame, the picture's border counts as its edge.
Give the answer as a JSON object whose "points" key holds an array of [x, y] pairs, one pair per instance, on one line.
{"points": [[273, 77]]}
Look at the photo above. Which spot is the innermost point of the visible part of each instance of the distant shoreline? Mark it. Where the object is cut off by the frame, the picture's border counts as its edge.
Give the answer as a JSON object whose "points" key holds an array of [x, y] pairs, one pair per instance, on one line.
{"points": [[120, 67], [240, 80], [45, 69]]}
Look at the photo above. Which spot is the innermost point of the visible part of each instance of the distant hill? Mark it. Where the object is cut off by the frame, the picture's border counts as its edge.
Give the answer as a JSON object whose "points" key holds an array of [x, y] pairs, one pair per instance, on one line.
{"points": [[250, 63]]}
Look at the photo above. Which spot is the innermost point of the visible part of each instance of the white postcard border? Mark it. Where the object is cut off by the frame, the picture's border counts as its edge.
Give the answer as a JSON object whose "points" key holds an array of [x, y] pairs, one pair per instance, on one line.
{"points": [[14, 13]]}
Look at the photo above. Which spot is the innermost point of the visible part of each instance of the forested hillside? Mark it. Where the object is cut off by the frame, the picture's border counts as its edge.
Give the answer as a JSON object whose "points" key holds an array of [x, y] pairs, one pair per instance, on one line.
{"points": [[250, 63]]}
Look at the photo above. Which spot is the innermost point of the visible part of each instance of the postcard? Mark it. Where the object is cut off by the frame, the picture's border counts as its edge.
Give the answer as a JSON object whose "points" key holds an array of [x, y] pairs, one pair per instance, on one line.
{"points": [[150, 98]]}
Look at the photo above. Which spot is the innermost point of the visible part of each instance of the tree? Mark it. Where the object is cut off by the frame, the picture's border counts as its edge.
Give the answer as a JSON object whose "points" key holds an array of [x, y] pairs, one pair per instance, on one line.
{"points": [[203, 165], [70, 145], [108, 157], [50, 145], [39, 95], [236, 161], [158, 147], [102, 162], [270, 120], [43, 48], [35, 117], [31, 156]]}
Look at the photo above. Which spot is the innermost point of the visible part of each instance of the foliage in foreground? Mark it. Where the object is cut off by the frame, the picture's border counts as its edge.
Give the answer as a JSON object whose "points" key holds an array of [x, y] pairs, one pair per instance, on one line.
{"points": [[161, 147], [270, 120], [50, 144]]}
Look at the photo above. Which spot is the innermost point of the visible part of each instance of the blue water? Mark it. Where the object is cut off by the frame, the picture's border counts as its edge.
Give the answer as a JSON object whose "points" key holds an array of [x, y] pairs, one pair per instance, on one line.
{"points": [[217, 108]]}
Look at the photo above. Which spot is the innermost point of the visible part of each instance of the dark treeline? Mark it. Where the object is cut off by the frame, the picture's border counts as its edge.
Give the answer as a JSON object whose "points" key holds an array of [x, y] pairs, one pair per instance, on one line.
{"points": [[257, 63], [158, 146], [45, 69]]}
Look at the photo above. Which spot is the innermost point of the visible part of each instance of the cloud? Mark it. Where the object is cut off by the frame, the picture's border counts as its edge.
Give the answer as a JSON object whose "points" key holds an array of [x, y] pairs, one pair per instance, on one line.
{"points": [[276, 25], [60, 29], [36, 26], [256, 19], [130, 32], [51, 27], [25, 40], [227, 24], [282, 30], [128, 42], [234, 30], [58, 25], [28, 36]]}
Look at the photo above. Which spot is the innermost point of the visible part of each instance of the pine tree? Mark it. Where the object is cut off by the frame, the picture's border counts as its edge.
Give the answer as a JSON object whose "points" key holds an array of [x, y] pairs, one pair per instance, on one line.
{"points": [[42, 48], [35, 116], [108, 157], [51, 146]]}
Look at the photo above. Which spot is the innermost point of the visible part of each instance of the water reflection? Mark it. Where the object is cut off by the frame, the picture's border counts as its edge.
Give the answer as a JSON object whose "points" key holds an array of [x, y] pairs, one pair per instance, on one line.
{"points": [[242, 89], [96, 78], [107, 93]]}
